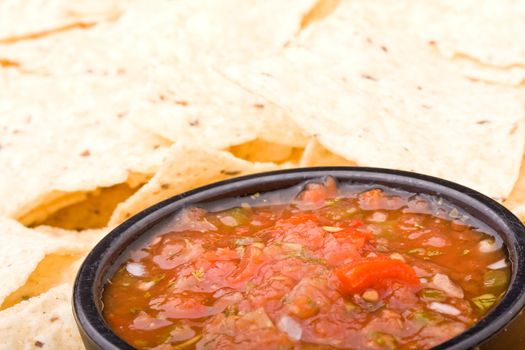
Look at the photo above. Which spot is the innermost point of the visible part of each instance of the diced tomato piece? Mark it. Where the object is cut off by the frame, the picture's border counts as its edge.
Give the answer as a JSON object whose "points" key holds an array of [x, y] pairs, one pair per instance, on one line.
{"points": [[242, 230], [372, 199], [303, 307], [377, 273], [179, 308], [347, 252], [316, 193], [222, 254], [249, 266], [350, 232], [331, 186], [298, 219], [354, 237], [144, 322], [356, 223]]}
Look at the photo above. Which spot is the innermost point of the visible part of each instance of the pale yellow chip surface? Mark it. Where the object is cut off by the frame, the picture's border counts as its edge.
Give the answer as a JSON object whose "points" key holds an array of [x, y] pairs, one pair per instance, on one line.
{"points": [[53, 146], [188, 166], [193, 103], [109, 107], [86, 238], [262, 151], [516, 200], [44, 322], [484, 30], [316, 155], [473, 69], [22, 249], [209, 30], [477, 36], [60, 257], [173, 54], [28, 19], [186, 99], [379, 99]]}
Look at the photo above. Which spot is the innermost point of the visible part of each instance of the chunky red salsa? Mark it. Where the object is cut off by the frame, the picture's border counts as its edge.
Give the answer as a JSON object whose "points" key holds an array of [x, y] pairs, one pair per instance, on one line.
{"points": [[355, 267]]}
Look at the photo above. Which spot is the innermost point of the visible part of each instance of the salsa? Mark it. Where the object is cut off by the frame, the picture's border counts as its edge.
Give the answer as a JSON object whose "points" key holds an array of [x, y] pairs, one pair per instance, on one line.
{"points": [[335, 266]]}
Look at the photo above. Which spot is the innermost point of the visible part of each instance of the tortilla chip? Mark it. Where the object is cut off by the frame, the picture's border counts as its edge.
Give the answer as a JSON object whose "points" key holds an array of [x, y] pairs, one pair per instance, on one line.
{"points": [[54, 269], [486, 31], [54, 147], [262, 151], [54, 201], [519, 211], [322, 9], [379, 99], [102, 55], [86, 238], [516, 200], [57, 266], [22, 249], [187, 99], [316, 155], [210, 30], [192, 102], [25, 20], [188, 166], [478, 71], [45, 322], [184, 97], [92, 212]]}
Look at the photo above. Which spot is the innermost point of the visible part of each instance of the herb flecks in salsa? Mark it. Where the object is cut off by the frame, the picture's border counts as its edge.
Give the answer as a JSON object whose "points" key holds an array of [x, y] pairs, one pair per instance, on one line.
{"points": [[348, 267]]}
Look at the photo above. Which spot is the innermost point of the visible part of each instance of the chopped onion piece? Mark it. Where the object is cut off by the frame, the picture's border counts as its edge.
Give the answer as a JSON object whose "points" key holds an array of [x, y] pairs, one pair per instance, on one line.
{"points": [[487, 246], [371, 295], [378, 216], [498, 265], [290, 327], [444, 308], [136, 269], [332, 229], [259, 317], [442, 282], [228, 221], [397, 256], [145, 285]]}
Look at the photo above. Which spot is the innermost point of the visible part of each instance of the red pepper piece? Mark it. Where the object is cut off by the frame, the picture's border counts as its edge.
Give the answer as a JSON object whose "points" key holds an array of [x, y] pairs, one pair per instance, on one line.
{"points": [[377, 273]]}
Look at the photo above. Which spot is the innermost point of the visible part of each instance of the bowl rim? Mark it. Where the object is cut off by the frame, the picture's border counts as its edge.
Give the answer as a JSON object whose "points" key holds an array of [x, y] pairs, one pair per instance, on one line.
{"points": [[87, 287]]}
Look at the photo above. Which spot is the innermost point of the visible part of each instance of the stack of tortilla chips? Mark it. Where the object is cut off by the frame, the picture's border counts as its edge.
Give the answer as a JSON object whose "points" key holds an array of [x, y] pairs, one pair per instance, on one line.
{"points": [[107, 107]]}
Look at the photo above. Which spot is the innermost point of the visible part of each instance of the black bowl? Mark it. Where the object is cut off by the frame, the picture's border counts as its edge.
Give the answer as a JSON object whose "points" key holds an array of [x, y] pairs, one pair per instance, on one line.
{"points": [[502, 328]]}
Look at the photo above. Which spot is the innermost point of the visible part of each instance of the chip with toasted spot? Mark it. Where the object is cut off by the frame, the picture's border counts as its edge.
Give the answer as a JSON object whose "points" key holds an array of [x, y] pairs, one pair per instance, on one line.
{"points": [[479, 37], [54, 269], [370, 102], [80, 147], [45, 322], [22, 249], [182, 97], [92, 212], [188, 166]]}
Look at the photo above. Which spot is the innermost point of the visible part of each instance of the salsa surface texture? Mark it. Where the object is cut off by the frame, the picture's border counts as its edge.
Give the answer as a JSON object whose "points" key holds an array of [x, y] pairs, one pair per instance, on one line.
{"points": [[355, 267]]}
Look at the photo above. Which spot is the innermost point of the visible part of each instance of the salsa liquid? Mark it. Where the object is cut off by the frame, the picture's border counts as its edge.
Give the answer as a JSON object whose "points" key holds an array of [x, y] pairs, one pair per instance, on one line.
{"points": [[367, 268]]}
